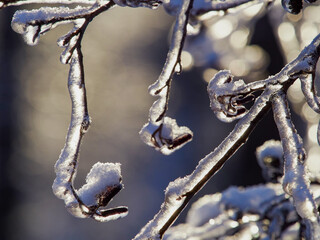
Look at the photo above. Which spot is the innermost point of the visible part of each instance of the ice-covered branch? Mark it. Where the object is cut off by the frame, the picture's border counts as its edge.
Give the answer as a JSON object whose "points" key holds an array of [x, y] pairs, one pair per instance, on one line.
{"points": [[6, 3], [295, 181], [180, 191], [162, 132], [104, 180], [256, 212], [32, 24]]}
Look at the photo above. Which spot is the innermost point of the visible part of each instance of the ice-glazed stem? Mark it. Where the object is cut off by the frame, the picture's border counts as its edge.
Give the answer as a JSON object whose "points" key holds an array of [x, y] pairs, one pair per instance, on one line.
{"points": [[162, 132], [172, 64], [66, 166], [295, 181], [67, 163]]}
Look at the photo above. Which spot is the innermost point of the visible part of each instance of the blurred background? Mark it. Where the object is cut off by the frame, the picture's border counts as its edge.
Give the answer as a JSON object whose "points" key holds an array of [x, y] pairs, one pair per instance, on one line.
{"points": [[124, 50]]}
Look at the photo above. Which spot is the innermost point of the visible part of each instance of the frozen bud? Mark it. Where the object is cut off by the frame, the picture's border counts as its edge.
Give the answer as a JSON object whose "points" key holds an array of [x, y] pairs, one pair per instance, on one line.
{"points": [[102, 183], [228, 96], [167, 137]]}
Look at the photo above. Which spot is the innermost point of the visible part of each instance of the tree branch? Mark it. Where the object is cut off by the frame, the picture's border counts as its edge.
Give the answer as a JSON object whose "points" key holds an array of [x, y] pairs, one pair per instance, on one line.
{"points": [[180, 191], [295, 181]]}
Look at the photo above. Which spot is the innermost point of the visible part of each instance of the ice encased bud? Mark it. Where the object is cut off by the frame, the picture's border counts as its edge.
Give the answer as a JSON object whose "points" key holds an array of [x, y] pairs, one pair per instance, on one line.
{"points": [[226, 99], [167, 137], [102, 178]]}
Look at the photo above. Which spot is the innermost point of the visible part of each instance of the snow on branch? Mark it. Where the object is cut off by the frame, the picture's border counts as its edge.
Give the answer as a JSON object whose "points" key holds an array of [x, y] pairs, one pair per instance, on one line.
{"points": [[180, 191]]}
